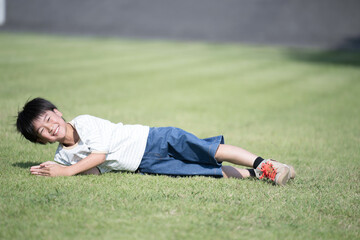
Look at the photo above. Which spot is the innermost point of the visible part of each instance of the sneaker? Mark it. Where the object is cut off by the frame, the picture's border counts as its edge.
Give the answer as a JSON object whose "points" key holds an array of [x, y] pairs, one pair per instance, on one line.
{"points": [[273, 170], [292, 174]]}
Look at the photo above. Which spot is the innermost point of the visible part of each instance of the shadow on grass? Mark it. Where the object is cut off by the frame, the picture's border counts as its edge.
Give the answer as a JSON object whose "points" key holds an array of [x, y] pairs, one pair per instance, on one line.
{"points": [[336, 56], [345, 53], [25, 164]]}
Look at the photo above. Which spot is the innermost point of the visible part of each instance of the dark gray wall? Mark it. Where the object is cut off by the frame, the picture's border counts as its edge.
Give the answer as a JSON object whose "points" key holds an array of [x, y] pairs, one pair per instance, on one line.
{"points": [[324, 23]]}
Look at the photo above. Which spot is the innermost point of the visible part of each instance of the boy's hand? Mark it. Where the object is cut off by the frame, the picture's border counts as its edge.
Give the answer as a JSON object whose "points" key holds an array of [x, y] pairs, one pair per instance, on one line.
{"points": [[86, 165], [49, 169]]}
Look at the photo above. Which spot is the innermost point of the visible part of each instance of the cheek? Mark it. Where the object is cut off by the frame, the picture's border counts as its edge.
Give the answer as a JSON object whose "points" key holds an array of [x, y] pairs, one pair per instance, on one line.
{"points": [[63, 130]]}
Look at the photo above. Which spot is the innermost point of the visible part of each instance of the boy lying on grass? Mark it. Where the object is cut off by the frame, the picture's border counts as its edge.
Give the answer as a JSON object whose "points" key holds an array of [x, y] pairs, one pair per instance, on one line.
{"points": [[91, 145]]}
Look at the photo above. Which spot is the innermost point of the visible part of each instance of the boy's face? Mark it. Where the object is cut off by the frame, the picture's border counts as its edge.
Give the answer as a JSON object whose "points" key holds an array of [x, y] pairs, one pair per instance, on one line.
{"points": [[50, 127]]}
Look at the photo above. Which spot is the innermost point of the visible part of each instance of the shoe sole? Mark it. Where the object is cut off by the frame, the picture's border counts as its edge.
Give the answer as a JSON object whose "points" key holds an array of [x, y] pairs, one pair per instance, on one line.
{"points": [[292, 174], [284, 177]]}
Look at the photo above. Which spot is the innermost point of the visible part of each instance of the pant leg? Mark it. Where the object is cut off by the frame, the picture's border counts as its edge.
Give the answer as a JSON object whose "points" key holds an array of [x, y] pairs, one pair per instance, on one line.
{"points": [[173, 151]]}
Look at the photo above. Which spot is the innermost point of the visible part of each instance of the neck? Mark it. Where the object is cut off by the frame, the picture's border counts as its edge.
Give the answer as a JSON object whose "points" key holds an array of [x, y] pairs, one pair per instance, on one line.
{"points": [[71, 136]]}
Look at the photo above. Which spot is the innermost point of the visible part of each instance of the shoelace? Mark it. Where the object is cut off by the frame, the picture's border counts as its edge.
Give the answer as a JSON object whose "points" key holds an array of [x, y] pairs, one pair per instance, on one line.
{"points": [[268, 171]]}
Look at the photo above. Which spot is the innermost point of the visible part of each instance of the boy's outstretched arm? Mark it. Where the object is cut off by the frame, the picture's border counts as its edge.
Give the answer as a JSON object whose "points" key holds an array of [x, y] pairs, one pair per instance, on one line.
{"points": [[51, 169]]}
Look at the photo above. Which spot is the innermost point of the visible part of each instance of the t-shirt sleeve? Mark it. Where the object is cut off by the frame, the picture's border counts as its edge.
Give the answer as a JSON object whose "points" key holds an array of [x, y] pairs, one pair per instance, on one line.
{"points": [[61, 159], [94, 132]]}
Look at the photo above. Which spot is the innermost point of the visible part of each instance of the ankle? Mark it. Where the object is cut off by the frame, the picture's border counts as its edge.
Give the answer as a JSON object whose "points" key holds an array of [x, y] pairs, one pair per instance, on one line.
{"points": [[251, 172], [257, 162]]}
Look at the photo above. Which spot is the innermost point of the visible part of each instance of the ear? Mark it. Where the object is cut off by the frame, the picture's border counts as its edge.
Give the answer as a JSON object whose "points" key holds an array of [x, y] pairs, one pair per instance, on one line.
{"points": [[57, 112]]}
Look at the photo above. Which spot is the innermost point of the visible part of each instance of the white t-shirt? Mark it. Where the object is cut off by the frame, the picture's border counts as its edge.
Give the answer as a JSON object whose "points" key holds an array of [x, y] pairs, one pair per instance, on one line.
{"points": [[124, 145]]}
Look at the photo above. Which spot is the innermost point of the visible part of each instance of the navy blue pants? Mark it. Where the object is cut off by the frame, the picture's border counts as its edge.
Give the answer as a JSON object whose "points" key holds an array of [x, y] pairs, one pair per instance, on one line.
{"points": [[173, 151]]}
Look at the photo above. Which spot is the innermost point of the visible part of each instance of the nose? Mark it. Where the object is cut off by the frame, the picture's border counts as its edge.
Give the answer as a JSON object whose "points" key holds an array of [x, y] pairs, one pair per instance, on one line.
{"points": [[48, 127]]}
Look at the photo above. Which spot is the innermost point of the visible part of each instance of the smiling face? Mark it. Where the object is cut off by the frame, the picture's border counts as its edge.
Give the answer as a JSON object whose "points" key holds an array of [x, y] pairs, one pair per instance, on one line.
{"points": [[50, 127]]}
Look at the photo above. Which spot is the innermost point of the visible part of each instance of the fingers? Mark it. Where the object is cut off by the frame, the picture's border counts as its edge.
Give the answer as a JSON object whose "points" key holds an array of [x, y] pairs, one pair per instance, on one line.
{"points": [[49, 169], [40, 174], [42, 165], [35, 167], [47, 163], [40, 171]]}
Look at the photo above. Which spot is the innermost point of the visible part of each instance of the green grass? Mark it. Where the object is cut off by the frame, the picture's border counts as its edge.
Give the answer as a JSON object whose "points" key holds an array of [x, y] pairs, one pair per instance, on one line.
{"points": [[299, 106]]}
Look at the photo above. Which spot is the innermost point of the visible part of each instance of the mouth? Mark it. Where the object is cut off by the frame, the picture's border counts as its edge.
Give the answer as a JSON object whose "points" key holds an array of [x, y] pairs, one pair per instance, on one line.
{"points": [[56, 131]]}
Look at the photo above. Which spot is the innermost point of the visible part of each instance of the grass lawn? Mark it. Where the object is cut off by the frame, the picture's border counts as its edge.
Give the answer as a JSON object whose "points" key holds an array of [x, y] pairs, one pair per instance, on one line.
{"points": [[300, 106]]}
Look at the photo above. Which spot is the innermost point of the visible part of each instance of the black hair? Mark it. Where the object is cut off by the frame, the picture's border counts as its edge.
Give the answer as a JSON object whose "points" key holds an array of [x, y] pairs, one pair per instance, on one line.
{"points": [[31, 111]]}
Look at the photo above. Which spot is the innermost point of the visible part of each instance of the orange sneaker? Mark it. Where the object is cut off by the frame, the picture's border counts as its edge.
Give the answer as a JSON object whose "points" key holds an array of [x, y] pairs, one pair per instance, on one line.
{"points": [[273, 170]]}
